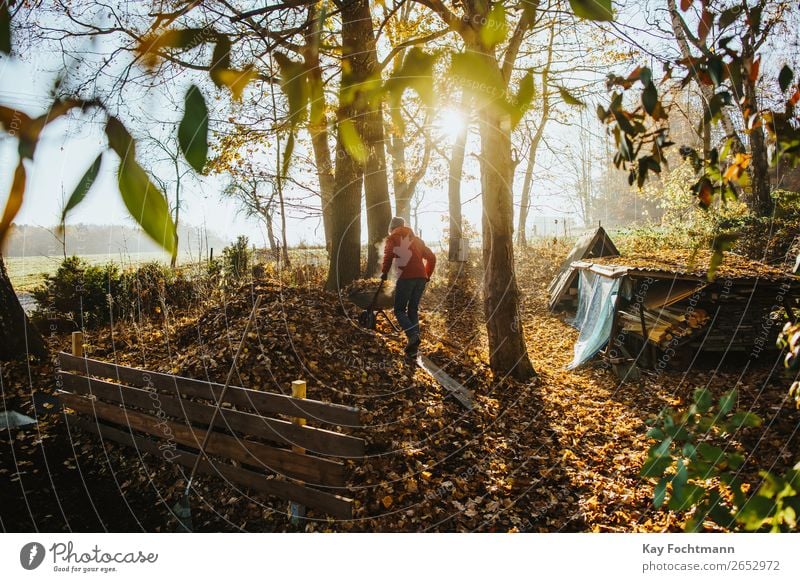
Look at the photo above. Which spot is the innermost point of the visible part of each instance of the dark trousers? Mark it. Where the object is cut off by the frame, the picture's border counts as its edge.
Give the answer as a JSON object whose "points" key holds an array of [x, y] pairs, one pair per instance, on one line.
{"points": [[407, 295]]}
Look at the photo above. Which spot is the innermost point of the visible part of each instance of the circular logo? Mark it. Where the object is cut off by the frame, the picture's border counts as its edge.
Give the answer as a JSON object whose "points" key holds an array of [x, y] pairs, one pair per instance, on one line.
{"points": [[31, 555]]}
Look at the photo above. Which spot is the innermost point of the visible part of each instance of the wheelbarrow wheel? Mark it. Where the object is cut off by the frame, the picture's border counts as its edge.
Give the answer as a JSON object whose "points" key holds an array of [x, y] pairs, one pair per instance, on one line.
{"points": [[367, 319]]}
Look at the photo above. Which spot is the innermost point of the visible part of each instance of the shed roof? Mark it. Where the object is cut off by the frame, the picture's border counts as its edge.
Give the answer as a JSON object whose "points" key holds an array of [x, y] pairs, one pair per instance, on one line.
{"points": [[689, 264], [591, 245]]}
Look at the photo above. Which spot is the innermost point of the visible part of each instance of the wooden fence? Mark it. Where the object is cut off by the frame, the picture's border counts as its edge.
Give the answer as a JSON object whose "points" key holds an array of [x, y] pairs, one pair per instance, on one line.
{"points": [[279, 456]]}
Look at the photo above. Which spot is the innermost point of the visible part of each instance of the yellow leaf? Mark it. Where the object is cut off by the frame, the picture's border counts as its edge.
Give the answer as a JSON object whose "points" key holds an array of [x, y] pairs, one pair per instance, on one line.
{"points": [[387, 501], [235, 80]]}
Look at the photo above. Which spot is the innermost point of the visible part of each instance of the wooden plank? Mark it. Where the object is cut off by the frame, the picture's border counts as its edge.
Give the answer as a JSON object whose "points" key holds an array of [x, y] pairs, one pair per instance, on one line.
{"points": [[316, 440], [458, 391], [329, 503], [243, 398], [313, 470], [298, 510]]}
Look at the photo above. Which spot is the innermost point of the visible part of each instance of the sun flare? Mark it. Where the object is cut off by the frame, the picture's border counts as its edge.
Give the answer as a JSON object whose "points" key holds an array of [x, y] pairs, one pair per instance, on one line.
{"points": [[451, 122]]}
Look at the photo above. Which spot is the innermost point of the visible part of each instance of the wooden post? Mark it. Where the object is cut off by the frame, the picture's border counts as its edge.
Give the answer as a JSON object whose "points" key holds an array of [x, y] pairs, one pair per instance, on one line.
{"points": [[297, 511], [77, 344]]}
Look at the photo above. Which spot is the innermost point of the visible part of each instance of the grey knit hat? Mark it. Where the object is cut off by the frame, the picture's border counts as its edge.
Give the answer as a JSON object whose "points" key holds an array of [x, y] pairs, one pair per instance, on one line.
{"points": [[396, 222]]}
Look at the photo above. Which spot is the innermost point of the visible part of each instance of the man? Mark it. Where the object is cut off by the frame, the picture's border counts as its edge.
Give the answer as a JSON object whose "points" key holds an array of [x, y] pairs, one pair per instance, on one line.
{"points": [[415, 263]]}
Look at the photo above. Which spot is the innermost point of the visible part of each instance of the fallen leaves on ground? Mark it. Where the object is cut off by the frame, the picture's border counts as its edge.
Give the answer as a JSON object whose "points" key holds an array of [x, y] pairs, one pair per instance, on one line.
{"points": [[562, 453]]}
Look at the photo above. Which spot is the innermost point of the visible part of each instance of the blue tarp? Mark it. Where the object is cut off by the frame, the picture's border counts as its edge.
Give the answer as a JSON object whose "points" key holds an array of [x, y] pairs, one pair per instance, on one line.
{"points": [[597, 296]]}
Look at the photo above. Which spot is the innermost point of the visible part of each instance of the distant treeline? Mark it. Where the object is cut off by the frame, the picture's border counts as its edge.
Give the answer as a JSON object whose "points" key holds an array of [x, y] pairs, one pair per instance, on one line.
{"points": [[114, 239]]}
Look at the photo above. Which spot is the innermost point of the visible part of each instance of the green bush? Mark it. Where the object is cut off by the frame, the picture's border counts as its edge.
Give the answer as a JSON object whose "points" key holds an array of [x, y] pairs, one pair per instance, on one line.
{"points": [[236, 259], [78, 292], [85, 295], [696, 469]]}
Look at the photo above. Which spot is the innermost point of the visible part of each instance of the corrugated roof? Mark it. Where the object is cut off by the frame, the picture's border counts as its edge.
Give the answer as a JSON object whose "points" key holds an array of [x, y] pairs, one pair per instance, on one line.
{"points": [[685, 263]]}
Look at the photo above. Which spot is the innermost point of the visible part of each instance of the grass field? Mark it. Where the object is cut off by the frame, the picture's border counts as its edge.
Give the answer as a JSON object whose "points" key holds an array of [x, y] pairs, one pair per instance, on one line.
{"points": [[28, 272]]}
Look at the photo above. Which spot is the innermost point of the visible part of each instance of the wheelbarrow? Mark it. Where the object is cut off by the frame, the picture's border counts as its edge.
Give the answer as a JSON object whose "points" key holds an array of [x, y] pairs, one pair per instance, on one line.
{"points": [[373, 304]]}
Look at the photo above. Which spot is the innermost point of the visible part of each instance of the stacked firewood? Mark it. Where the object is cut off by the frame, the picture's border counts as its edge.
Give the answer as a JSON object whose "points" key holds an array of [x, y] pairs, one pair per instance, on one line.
{"points": [[665, 324]]}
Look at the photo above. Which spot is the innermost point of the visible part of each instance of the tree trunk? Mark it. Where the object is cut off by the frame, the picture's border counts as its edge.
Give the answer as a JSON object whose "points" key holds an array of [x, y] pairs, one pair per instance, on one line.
{"points": [[456, 171], [18, 338], [761, 195], [706, 91], [376, 184], [525, 201], [273, 247], [402, 192], [762, 203], [345, 254], [370, 120], [174, 259], [318, 125], [507, 352]]}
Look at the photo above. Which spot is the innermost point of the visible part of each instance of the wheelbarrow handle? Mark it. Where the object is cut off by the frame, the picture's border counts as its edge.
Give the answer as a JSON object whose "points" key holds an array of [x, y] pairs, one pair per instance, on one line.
{"points": [[375, 297]]}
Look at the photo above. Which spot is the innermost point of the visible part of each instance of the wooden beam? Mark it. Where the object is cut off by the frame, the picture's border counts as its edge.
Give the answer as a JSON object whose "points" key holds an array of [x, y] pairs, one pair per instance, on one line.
{"points": [[243, 398], [458, 391], [77, 344], [329, 503], [316, 440], [313, 470]]}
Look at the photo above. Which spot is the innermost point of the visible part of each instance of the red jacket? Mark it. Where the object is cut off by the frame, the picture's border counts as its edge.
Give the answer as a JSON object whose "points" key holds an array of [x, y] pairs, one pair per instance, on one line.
{"points": [[414, 259]]}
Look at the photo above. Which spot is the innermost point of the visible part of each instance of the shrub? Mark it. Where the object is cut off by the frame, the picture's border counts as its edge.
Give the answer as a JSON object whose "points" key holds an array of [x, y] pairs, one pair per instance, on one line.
{"points": [[78, 292], [696, 476], [236, 259]]}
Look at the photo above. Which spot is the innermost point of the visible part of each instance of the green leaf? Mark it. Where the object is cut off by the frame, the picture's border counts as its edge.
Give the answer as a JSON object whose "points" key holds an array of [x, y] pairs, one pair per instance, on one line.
{"points": [[570, 99], [495, 30], [14, 202], [352, 141], [478, 76], [294, 84], [754, 512], [193, 130], [710, 453], [681, 476], [660, 492], [287, 156], [722, 243], [702, 399], [146, 204], [727, 402], [236, 81], [524, 96], [83, 187], [5, 28], [785, 77], [650, 98], [119, 139], [415, 72], [741, 419], [221, 59], [593, 9], [184, 38], [686, 497], [654, 467]]}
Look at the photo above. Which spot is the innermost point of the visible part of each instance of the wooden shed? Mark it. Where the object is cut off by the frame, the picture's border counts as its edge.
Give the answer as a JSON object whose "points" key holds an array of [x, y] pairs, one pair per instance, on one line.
{"points": [[669, 314]]}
